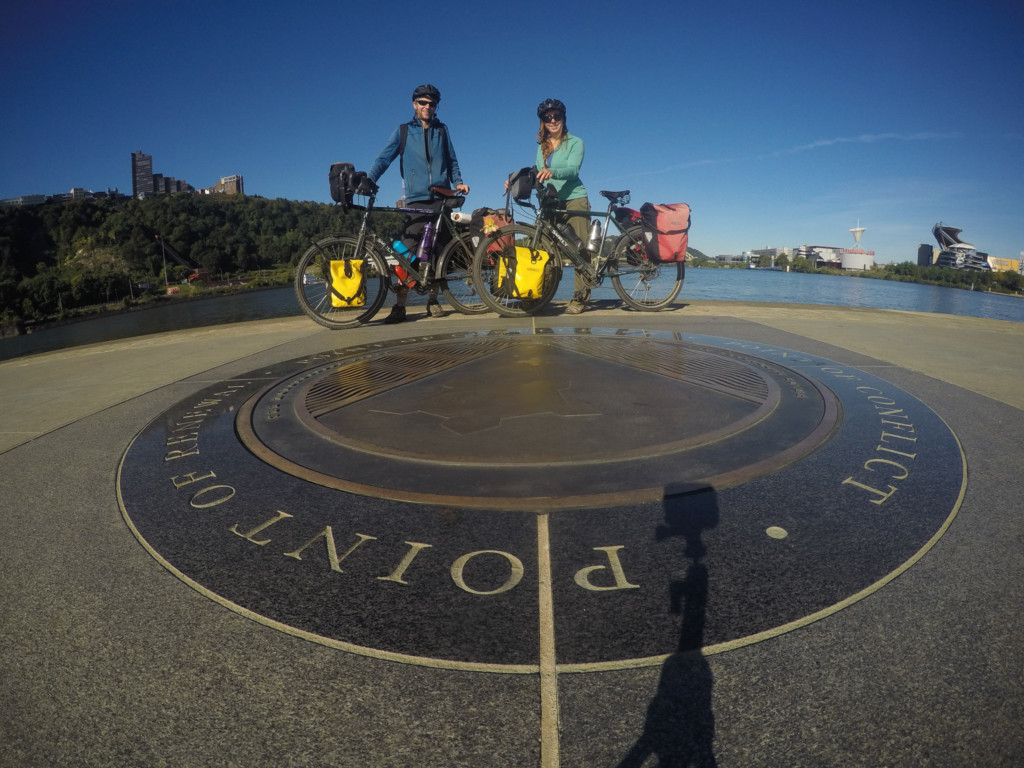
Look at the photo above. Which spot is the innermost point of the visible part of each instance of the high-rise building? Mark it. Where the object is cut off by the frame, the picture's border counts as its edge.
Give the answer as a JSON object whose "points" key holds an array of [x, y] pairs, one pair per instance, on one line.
{"points": [[142, 175], [229, 185]]}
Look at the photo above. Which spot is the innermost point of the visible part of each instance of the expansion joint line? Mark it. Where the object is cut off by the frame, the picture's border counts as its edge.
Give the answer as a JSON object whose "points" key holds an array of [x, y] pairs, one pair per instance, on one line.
{"points": [[549, 757]]}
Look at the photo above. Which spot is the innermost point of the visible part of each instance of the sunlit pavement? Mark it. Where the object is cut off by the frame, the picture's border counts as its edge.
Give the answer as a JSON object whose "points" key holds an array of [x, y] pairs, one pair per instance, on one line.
{"points": [[113, 655]]}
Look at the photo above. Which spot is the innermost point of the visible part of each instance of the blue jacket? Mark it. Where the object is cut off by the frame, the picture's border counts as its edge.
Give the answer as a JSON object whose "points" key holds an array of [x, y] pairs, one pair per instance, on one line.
{"points": [[419, 175]]}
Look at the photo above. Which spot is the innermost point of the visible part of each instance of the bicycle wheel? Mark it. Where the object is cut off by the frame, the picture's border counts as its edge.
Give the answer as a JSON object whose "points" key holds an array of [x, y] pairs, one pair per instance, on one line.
{"points": [[326, 300], [491, 281], [456, 270], [640, 282]]}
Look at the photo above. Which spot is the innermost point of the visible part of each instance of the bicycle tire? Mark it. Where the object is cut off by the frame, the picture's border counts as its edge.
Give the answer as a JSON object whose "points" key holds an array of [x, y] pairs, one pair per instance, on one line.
{"points": [[486, 261], [640, 282], [314, 290], [455, 269]]}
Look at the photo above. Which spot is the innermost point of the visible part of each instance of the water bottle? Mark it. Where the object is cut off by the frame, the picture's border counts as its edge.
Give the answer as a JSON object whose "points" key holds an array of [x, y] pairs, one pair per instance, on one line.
{"points": [[402, 275], [461, 218], [569, 234], [426, 240], [595, 236]]}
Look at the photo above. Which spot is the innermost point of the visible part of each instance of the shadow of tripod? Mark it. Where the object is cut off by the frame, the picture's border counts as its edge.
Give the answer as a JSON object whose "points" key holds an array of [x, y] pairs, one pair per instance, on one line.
{"points": [[680, 725]]}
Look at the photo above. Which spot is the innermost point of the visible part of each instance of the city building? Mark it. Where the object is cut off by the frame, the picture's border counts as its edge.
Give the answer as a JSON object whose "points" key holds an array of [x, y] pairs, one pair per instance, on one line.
{"points": [[77, 193], [229, 185], [142, 175], [23, 201], [731, 259], [855, 258], [145, 183], [954, 253], [821, 255]]}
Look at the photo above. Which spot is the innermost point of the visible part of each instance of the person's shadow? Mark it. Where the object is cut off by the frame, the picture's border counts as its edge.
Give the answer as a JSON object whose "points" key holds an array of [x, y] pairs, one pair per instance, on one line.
{"points": [[680, 725]]}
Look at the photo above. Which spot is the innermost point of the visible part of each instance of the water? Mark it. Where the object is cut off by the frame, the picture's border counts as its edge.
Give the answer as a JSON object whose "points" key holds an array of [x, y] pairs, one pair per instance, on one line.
{"points": [[701, 284], [844, 291], [173, 316]]}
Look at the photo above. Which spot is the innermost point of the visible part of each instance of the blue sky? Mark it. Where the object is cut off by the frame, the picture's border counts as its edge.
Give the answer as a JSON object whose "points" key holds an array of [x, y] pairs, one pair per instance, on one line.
{"points": [[780, 123]]}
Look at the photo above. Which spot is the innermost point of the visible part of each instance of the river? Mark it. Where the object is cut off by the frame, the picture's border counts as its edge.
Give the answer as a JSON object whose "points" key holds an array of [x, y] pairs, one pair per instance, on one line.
{"points": [[701, 285]]}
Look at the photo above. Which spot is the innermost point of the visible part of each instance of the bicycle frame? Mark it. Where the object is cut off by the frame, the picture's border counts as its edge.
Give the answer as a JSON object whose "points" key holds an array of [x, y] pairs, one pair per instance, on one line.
{"points": [[410, 264], [547, 215]]}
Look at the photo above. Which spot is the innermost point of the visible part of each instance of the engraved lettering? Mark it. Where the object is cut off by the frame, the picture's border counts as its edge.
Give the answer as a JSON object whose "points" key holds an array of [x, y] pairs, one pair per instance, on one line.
{"points": [[900, 437], [896, 426], [899, 425], [187, 425], [895, 452], [249, 534], [399, 572], [839, 373], [332, 552], [877, 400], [898, 412], [189, 438], [515, 576], [230, 390], [904, 476], [225, 493], [180, 453], [583, 575], [179, 481], [883, 495]]}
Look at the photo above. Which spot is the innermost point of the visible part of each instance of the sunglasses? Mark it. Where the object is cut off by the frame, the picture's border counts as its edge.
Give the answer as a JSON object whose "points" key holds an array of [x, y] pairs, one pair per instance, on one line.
{"points": [[426, 103], [552, 118]]}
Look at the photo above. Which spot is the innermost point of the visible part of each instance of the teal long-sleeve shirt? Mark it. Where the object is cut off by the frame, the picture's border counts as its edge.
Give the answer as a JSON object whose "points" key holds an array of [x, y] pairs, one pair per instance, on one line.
{"points": [[564, 164]]}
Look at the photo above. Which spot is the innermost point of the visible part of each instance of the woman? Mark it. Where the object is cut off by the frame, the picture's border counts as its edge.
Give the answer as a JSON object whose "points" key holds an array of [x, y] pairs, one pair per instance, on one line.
{"points": [[559, 157]]}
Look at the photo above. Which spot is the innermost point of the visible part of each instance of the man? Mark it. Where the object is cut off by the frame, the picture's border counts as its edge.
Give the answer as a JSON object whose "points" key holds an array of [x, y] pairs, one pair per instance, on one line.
{"points": [[427, 160]]}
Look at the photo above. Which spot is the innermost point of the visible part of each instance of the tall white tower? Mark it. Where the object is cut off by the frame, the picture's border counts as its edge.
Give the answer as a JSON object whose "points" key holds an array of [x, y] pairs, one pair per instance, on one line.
{"points": [[857, 232]]}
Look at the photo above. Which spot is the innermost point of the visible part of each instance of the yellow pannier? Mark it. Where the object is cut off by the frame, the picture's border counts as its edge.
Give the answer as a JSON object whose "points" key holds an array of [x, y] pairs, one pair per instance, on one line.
{"points": [[522, 276], [347, 280]]}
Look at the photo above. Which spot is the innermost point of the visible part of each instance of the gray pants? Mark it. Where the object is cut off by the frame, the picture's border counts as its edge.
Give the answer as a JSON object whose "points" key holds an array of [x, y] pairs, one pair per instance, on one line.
{"points": [[581, 225]]}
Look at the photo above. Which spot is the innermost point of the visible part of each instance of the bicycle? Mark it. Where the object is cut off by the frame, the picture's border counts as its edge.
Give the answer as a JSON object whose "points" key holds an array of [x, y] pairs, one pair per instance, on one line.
{"points": [[642, 283], [342, 281]]}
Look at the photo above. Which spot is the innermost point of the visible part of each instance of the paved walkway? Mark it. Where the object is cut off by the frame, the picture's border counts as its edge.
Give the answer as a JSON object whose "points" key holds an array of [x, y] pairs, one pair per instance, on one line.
{"points": [[107, 659]]}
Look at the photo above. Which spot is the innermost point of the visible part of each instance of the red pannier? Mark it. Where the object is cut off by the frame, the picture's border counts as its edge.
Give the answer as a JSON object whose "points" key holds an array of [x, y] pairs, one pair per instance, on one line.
{"points": [[487, 221], [628, 217], [666, 230]]}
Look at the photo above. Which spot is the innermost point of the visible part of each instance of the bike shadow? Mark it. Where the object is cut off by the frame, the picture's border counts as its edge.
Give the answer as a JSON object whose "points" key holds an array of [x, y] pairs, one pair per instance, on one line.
{"points": [[680, 725]]}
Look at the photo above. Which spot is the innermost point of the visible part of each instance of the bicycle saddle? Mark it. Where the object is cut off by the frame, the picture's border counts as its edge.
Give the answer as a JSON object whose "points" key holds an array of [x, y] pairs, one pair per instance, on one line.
{"points": [[616, 197], [452, 199]]}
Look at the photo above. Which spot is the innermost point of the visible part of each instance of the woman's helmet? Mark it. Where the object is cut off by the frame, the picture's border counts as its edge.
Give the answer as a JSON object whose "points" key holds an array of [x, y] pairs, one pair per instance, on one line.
{"points": [[549, 105], [427, 91]]}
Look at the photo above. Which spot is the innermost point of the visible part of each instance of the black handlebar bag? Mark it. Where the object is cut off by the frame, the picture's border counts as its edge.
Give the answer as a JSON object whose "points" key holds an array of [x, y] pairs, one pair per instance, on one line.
{"points": [[346, 181]]}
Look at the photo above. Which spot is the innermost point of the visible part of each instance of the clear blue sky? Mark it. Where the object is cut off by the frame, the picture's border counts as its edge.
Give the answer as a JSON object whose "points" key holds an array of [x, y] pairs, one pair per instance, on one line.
{"points": [[780, 123]]}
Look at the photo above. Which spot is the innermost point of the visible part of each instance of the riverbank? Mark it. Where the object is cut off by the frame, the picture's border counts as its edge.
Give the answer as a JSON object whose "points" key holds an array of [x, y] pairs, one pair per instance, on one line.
{"points": [[198, 293], [882, 273], [761, 287], [113, 309]]}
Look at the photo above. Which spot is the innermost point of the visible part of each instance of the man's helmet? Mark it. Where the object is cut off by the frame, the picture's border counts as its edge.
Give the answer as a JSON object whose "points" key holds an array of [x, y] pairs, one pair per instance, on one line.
{"points": [[426, 91], [549, 105]]}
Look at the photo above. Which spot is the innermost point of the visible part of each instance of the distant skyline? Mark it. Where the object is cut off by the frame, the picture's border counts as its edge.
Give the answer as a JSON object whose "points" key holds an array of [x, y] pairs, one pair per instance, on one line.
{"points": [[781, 124]]}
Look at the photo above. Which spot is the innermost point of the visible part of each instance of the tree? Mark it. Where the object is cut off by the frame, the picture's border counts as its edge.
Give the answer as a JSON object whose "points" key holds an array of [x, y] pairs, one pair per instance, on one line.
{"points": [[801, 264], [1011, 281]]}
